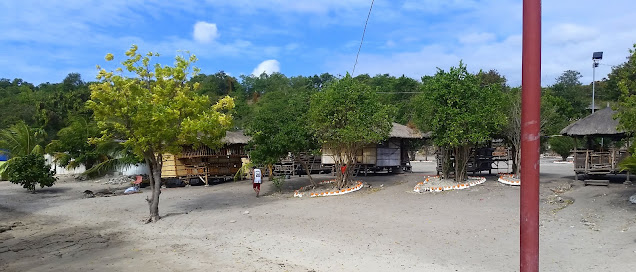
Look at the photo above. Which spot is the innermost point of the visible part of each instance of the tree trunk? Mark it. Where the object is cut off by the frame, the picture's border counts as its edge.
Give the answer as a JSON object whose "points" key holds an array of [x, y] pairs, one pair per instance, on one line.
{"points": [[155, 163], [337, 167], [351, 166], [308, 171], [516, 158], [461, 161], [446, 162], [458, 161]]}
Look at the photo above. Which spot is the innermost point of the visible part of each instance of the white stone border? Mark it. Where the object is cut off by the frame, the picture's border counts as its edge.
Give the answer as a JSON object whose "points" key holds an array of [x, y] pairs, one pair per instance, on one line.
{"points": [[420, 187], [358, 186], [509, 179]]}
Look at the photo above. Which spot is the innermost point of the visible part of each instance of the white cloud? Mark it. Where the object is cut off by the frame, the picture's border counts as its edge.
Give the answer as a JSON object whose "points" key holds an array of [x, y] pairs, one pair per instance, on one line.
{"points": [[268, 67], [482, 37], [205, 32], [570, 33]]}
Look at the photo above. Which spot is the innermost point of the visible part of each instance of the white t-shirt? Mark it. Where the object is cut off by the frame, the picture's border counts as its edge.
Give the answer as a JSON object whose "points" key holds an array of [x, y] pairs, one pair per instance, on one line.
{"points": [[257, 175]]}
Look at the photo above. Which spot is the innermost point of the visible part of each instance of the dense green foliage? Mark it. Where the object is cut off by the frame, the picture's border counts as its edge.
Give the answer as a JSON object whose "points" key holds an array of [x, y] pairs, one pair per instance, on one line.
{"points": [[73, 148], [511, 131], [18, 141], [460, 111], [562, 146], [624, 77], [280, 124], [347, 115], [21, 140], [29, 171], [78, 144]]}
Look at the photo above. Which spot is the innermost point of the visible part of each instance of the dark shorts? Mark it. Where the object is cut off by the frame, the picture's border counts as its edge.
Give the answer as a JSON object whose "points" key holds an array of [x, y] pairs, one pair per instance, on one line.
{"points": [[256, 186]]}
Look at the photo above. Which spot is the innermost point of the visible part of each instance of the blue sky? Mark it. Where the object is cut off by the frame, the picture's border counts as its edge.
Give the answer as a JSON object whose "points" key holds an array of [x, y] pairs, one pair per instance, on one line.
{"points": [[45, 40]]}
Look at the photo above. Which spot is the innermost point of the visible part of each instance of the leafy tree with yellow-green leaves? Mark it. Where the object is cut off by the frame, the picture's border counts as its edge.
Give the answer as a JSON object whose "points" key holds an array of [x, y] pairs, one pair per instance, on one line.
{"points": [[155, 110]]}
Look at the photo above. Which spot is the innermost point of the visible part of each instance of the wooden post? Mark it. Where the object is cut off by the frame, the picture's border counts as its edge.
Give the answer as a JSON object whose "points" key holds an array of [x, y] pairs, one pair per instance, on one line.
{"points": [[530, 134]]}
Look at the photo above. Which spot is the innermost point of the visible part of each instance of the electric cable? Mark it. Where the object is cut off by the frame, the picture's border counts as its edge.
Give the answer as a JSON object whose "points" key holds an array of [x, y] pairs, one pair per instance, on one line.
{"points": [[361, 40]]}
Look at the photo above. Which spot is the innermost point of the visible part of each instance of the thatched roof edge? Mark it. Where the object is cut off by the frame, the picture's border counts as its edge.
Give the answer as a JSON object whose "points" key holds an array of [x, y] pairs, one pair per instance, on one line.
{"points": [[599, 123], [235, 137]]}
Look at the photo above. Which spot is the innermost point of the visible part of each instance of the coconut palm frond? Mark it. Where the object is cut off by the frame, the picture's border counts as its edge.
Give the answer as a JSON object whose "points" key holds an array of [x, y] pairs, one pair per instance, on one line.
{"points": [[21, 140], [245, 168], [72, 165], [105, 167], [61, 158], [37, 150], [109, 147], [628, 164], [3, 169]]}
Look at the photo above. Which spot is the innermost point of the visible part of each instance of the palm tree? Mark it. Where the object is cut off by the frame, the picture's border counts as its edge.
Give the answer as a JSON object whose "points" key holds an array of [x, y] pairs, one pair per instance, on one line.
{"points": [[20, 140], [79, 144], [113, 155]]}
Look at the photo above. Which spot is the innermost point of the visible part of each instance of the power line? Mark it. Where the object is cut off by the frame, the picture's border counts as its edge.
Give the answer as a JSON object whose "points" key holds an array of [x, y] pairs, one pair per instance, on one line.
{"points": [[361, 40]]}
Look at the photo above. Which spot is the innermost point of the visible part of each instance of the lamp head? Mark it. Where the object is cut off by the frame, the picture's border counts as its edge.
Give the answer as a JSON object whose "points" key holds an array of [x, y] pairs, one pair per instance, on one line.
{"points": [[597, 55]]}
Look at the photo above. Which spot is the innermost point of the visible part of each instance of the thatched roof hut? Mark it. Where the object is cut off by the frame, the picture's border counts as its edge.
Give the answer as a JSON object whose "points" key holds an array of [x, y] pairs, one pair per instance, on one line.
{"points": [[404, 132], [235, 137], [599, 123]]}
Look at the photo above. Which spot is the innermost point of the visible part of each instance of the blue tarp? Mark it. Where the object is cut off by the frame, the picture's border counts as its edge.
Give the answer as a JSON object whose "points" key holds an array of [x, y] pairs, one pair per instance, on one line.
{"points": [[4, 156]]}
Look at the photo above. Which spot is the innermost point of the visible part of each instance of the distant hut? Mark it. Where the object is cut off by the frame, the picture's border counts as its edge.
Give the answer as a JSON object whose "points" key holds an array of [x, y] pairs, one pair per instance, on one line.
{"points": [[205, 163], [390, 155], [597, 159]]}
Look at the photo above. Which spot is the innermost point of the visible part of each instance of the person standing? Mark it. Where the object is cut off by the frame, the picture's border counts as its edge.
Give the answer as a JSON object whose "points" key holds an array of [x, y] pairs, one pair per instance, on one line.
{"points": [[257, 179]]}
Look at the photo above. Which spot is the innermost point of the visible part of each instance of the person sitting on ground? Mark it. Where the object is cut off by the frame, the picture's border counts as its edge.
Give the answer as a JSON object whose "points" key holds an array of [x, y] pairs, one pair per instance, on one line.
{"points": [[256, 180]]}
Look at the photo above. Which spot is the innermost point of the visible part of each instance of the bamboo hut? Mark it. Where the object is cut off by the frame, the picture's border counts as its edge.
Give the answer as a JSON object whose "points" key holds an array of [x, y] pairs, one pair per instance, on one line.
{"points": [[205, 163], [390, 155], [487, 156], [597, 159]]}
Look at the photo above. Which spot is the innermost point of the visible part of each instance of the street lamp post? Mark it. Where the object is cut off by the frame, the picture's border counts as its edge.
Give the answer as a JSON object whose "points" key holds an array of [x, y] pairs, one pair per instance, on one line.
{"points": [[596, 57]]}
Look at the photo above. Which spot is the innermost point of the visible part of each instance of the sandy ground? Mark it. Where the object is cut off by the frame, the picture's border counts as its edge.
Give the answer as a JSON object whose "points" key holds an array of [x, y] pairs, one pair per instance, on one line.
{"points": [[383, 228]]}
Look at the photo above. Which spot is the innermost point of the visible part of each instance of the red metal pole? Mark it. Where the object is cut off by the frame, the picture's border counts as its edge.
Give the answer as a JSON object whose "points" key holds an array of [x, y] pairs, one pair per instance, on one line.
{"points": [[530, 125]]}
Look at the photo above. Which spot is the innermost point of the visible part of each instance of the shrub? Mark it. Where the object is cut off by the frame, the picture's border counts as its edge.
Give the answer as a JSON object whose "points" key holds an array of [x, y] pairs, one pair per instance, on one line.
{"points": [[562, 146], [30, 170], [279, 182]]}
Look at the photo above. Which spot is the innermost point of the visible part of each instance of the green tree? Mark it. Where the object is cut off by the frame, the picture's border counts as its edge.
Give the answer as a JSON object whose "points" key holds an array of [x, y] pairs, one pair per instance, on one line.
{"points": [[72, 147], [569, 87], [280, 125], [30, 170], [511, 131], [556, 113], [19, 102], [75, 146], [60, 103], [561, 145], [345, 116], [460, 112], [20, 140], [624, 77], [157, 111]]}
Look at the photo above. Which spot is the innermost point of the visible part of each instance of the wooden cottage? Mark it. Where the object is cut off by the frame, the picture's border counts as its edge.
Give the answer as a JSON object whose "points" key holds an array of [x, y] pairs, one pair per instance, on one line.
{"points": [[205, 163], [390, 155], [597, 159]]}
